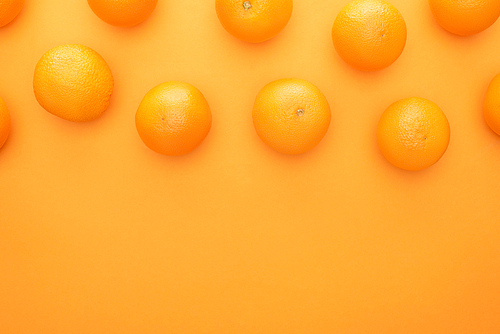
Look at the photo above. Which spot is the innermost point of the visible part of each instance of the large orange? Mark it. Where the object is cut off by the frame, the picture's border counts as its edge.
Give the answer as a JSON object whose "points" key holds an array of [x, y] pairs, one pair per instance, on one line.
{"points": [[291, 115], [9, 9], [492, 104], [73, 82], [254, 21], [123, 13], [369, 34], [4, 122], [173, 118], [413, 133], [465, 17]]}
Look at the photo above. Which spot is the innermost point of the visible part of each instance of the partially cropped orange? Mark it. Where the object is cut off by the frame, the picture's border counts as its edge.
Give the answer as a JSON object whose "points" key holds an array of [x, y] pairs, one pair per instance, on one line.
{"points": [[4, 122], [9, 9], [492, 104], [369, 35], [73, 82], [173, 118], [254, 21], [465, 17], [123, 13], [291, 115], [413, 133]]}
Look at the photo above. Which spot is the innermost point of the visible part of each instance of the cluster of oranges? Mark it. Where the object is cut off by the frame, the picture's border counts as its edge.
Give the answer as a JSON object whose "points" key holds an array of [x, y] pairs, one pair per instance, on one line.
{"points": [[290, 115]]}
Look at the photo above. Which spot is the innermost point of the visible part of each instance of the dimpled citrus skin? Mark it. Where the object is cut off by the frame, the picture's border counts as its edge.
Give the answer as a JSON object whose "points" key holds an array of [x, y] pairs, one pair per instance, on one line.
{"points": [[254, 21], [413, 133], [291, 115], [9, 9], [123, 13], [369, 35], [4, 123], [465, 17], [73, 82], [492, 105], [173, 118]]}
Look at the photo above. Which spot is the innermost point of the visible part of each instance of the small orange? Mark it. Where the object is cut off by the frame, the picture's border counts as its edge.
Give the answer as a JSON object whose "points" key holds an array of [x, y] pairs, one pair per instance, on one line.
{"points": [[73, 82], [9, 9], [492, 105], [465, 17], [369, 35], [291, 115], [4, 122], [254, 21], [123, 13], [173, 118], [413, 133]]}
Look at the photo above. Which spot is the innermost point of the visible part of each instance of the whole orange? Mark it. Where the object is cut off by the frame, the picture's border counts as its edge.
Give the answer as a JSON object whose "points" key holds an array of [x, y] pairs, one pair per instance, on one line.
{"points": [[465, 17], [291, 115], [73, 82], [254, 21], [492, 104], [4, 122], [369, 35], [173, 118], [413, 133], [123, 13], [9, 9]]}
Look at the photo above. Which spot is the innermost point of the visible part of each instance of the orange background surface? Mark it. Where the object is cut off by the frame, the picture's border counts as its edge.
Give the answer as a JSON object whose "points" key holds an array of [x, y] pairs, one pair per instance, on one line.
{"points": [[99, 234]]}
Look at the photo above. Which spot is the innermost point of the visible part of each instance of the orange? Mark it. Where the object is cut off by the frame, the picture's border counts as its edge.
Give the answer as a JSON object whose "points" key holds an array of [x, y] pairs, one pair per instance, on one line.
{"points": [[465, 17], [413, 133], [291, 115], [122, 13], [73, 82], [254, 21], [492, 104], [369, 35], [9, 9], [173, 118], [4, 122]]}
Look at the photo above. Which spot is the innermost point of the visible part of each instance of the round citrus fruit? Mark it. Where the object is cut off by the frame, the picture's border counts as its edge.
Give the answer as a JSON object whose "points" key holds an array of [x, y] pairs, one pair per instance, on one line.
{"points": [[9, 9], [4, 123], [173, 118], [73, 82], [123, 13], [369, 35], [254, 21], [291, 115], [465, 17], [492, 104], [413, 133]]}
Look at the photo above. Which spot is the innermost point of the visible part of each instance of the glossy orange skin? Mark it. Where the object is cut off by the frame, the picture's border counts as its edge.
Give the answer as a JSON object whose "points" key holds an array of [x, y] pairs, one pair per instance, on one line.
{"points": [[465, 17], [123, 13], [9, 9], [4, 123], [73, 82], [173, 118], [258, 23], [291, 115], [369, 35], [413, 133], [492, 105]]}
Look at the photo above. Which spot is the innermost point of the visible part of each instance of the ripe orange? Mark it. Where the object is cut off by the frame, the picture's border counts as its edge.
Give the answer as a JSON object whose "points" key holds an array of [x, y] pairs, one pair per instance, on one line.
{"points": [[123, 13], [173, 118], [9, 9], [369, 34], [291, 115], [465, 17], [254, 21], [73, 82], [413, 133], [492, 104], [4, 122]]}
